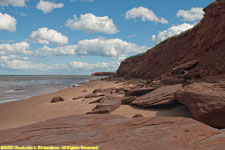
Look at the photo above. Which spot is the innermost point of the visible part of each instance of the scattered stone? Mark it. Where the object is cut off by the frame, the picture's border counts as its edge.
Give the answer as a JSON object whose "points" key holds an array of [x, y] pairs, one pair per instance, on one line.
{"points": [[128, 100], [137, 116], [98, 91], [206, 102], [110, 90], [120, 91], [100, 100], [93, 95], [84, 90], [163, 95], [171, 80], [106, 105], [187, 66], [139, 92], [76, 98], [56, 99], [125, 89], [192, 75]]}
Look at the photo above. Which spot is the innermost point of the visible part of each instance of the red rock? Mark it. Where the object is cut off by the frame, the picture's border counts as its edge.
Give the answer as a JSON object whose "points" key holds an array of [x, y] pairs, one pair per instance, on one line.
{"points": [[125, 88], [111, 132], [171, 80], [161, 96], [84, 90], [76, 98], [103, 73], [206, 102], [98, 91], [106, 105], [186, 66], [102, 99], [110, 90], [93, 95], [99, 100], [139, 92], [137, 116], [56, 99], [128, 100], [120, 91]]}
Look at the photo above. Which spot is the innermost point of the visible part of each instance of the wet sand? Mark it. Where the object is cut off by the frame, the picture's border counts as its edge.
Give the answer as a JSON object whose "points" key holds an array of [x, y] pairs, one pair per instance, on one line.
{"points": [[35, 109]]}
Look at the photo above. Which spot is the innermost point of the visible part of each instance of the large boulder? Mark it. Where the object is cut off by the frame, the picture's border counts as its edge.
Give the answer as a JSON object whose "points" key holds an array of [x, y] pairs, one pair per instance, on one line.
{"points": [[110, 132], [206, 102], [162, 95]]}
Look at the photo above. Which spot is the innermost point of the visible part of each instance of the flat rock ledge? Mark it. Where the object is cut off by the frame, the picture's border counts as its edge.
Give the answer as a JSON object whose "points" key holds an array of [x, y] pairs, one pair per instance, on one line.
{"points": [[115, 132], [206, 102], [160, 96]]}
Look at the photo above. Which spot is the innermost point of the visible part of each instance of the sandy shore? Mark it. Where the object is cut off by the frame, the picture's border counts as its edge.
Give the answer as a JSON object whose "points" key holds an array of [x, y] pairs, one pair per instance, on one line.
{"points": [[38, 108]]}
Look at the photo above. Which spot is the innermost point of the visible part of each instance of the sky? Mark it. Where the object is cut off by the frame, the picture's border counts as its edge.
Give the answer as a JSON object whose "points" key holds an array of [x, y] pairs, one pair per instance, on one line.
{"points": [[78, 37]]}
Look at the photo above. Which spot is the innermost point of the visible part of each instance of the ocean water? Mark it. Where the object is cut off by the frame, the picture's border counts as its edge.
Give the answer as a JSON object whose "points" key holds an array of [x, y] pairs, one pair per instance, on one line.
{"points": [[14, 87]]}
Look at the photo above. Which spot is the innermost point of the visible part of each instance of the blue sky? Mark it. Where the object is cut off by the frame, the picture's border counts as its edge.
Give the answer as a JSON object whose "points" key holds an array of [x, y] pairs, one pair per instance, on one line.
{"points": [[81, 36]]}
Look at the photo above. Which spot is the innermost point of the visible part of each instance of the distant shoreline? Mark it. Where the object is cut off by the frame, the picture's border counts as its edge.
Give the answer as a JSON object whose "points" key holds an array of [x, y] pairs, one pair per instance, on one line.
{"points": [[83, 79]]}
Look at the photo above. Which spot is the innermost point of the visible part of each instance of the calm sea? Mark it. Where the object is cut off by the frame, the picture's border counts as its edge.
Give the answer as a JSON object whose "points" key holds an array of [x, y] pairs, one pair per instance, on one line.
{"points": [[19, 87]]}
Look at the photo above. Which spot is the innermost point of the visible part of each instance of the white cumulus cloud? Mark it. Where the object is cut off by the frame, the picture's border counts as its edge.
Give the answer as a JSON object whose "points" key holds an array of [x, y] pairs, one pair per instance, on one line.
{"points": [[7, 22], [193, 14], [106, 47], [90, 23], [47, 36], [15, 3], [19, 63], [20, 48], [106, 66], [95, 47], [46, 6], [62, 50], [25, 63], [174, 30], [145, 14]]}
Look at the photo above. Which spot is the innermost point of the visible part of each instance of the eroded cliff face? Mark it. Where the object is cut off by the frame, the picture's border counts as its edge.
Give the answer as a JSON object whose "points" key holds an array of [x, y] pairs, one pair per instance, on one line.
{"points": [[205, 44]]}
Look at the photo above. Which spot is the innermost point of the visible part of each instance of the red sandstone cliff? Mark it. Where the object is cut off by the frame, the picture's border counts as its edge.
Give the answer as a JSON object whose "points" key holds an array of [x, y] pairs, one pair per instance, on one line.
{"points": [[103, 73], [205, 44]]}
